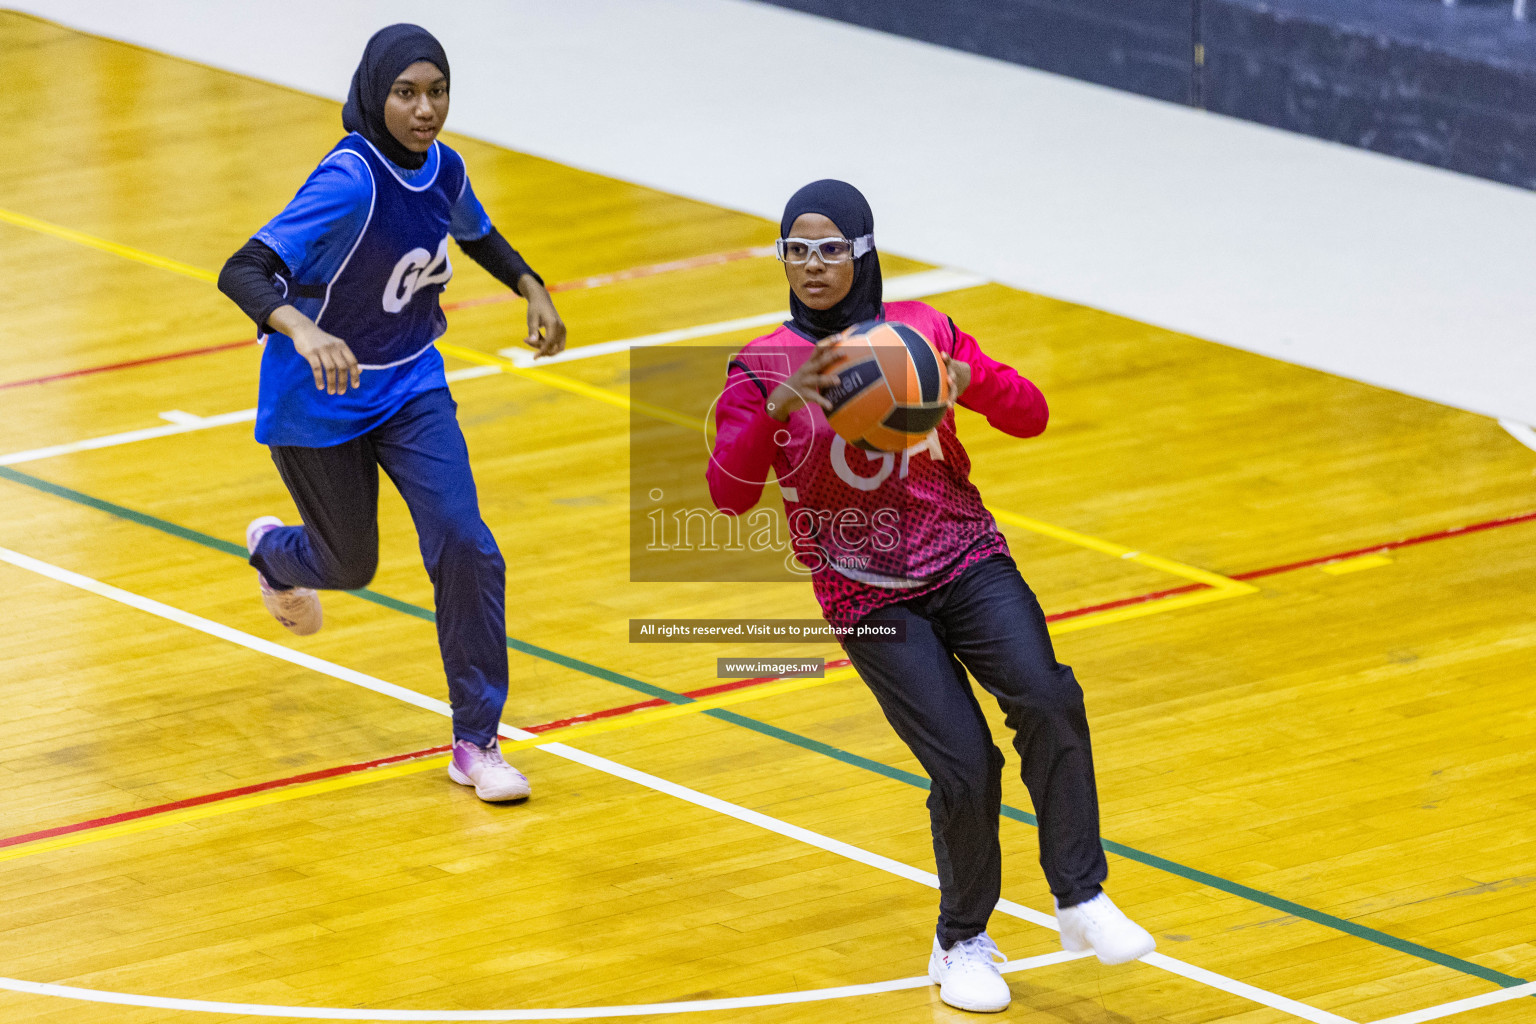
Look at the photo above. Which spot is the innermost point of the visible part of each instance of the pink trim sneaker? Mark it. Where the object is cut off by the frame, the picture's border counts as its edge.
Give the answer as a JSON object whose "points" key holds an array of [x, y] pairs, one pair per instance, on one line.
{"points": [[485, 769], [299, 608]]}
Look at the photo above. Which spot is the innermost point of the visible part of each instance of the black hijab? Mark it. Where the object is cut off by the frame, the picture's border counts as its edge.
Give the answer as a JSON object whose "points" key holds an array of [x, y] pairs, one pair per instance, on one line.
{"points": [[846, 207], [389, 52]]}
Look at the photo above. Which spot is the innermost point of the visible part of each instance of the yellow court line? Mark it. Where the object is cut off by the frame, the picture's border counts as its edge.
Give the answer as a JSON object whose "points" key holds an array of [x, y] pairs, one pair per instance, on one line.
{"points": [[1146, 608], [467, 355], [363, 778], [1225, 586], [127, 252], [576, 387], [241, 803], [677, 710], [1222, 586], [1167, 565], [1350, 565]]}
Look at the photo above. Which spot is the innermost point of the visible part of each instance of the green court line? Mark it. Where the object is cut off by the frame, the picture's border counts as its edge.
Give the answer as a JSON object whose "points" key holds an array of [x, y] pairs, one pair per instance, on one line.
{"points": [[1259, 896], [806, 743], [384, 600]]}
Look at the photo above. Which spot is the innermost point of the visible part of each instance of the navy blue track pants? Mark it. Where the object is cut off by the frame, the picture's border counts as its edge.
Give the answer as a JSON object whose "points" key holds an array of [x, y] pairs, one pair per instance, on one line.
{"points": [[337, 492]]}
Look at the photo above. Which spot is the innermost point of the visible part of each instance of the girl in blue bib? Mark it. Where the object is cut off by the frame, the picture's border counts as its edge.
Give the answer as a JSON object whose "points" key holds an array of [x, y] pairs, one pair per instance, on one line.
{"points": [[344, 284]]}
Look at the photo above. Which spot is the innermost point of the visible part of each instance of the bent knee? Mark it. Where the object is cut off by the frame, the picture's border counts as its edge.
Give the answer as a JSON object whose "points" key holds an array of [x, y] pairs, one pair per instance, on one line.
{"points": [[353, 570], [469, 536], [975, 783], [1049, 691], [464, 543], [357, 576]]}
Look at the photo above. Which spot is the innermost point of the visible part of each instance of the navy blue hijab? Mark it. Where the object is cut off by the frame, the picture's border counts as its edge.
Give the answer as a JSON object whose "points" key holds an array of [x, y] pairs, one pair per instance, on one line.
{"points": [[389, 52], [846, 207]]}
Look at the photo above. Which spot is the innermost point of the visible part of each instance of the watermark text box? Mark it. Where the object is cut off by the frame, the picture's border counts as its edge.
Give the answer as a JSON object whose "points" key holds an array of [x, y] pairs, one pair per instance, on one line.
{"points": [[775, 668], [761, 631]]}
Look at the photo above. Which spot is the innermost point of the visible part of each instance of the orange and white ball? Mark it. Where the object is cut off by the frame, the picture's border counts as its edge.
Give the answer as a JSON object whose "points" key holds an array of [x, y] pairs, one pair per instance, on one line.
{"points": [[892, 389]]}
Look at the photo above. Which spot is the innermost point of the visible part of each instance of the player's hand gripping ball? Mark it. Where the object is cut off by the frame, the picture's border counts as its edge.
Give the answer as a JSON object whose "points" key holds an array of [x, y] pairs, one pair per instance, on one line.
{"points": [[892, 386]]}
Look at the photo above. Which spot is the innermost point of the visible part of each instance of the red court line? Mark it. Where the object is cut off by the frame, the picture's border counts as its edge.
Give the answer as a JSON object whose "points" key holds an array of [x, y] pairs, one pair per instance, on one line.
{"points": [[595, 281], [1274, 570], [1424, 538], [209, 798], [734, 684], [349, 769], [183, 354], [1124, 601], [634, 273], [657, 702]]}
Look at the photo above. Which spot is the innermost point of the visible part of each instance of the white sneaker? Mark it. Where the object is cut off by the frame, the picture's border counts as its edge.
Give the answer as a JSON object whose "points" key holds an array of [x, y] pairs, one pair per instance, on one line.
{"points": [[967, 975], [485, 769], [297, 608], [1099, 925]]}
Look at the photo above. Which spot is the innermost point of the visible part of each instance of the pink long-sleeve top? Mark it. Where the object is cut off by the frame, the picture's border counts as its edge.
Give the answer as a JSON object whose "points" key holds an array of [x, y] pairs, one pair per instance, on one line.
{"points": [[870, 528]]}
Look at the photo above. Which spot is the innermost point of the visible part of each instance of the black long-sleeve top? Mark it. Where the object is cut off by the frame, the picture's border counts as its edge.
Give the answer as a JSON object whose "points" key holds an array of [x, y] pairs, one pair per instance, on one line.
{"points": [[246, 277]]}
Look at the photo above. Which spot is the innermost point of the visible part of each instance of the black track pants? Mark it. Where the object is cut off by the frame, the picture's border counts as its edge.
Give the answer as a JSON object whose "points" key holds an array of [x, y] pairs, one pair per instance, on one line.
{"points": [[989, 622]]}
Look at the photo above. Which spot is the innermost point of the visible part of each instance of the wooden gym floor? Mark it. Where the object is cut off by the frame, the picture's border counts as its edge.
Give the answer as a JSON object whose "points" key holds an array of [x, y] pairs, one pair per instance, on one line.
{"points": [[1317, 755]]}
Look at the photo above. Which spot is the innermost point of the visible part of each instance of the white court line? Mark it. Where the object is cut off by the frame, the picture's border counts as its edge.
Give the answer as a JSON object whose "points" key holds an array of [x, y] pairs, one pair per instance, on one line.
{"points": [[128, 437], [606, 766], [187, 419], [897, 289], [1462, 1005], [183, 423], [1243, 989], [223, 632], [556, 1013], [471, 372], [1520, 432]]}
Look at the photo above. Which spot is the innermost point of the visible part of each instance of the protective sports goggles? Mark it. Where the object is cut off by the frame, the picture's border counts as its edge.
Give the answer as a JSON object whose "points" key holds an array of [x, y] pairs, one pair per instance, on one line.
{"points": [[828, 250]]}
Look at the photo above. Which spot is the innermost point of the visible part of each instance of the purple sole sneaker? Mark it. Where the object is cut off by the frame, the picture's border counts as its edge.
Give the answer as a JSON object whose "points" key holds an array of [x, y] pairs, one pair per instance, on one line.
{"points": [[485, 769]]}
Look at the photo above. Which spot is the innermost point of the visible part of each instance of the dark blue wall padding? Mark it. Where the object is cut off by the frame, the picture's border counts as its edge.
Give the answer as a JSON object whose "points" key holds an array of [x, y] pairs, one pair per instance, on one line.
{"points": [[1454, 87], [1138, 45]]}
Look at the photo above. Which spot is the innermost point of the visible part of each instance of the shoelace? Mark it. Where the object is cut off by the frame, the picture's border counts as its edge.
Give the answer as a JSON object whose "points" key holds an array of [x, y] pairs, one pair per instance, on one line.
{"points": [[491, 756], [979, 948], [1097, 910]]}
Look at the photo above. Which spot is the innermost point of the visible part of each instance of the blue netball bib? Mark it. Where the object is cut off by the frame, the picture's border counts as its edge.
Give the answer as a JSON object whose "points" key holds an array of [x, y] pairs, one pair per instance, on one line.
{"points": [[382, 300]]}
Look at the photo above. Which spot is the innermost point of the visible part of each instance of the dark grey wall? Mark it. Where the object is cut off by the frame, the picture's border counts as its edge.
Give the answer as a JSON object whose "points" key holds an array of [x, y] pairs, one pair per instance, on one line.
{"points": [[1140, 45], [1453, 87]]}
